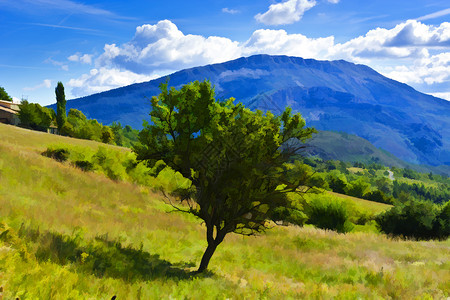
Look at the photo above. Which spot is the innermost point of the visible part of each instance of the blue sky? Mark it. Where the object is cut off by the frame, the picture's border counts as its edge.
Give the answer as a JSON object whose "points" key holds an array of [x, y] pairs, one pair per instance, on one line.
{"points": [[92, 46]]}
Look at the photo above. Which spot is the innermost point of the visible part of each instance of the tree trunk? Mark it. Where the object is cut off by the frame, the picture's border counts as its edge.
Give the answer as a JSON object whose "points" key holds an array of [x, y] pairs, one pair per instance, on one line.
{"points": [[207, 256]]}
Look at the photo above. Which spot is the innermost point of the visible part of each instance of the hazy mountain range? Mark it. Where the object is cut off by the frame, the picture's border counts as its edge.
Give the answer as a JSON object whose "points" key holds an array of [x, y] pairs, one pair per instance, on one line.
{"points": [[331, 95]]}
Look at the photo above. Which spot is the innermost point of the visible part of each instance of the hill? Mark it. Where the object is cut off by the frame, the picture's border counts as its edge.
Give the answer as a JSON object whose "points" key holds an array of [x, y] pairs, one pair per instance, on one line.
{"points": [[331, 95], [65, 233], [332, 145]]}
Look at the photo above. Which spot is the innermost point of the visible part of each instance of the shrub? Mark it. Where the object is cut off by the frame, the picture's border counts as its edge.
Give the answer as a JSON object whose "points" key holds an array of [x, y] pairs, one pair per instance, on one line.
{"points": [[84, 165], [358, 188], [58, 154], [110, 163], [332, 215], [416, 219], [378, 196]]}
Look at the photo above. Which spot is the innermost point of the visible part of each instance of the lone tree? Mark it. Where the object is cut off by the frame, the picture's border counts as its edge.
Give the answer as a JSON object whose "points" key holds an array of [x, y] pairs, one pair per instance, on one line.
{"points": [[236, 159], [60, 106]]}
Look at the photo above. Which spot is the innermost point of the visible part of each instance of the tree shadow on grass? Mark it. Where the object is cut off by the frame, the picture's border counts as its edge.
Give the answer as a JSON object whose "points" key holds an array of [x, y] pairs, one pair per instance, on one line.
{"points": [[105, 258]]}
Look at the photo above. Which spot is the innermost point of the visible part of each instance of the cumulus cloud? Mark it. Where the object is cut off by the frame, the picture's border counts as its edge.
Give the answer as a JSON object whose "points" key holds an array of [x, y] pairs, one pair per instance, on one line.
{"points": [[409, 39], [164, 46], [280, 42], [47, 83], [402, 53], [77, 57], [429, 70], [287, 12], [103, 79]]}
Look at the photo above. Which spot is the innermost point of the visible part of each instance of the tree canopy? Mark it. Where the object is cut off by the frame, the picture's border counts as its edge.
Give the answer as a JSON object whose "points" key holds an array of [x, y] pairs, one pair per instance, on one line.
{"points": [[237, 160], [34, 116], [4, 95]]}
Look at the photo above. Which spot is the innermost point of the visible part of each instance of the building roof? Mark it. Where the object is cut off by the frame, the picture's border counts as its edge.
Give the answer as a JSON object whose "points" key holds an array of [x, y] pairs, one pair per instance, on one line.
{"points": [[12, 111], [10, 105]]}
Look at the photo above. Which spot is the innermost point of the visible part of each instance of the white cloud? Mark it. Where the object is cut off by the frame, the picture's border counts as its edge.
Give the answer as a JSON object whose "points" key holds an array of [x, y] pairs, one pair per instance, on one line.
{"points": [[435, 15], [402, 53], [445, 96], [47, 83], [407, 40], [429, 70], [230, 11], [280, 42], [62, 65], [103, 79], [334, 1], [77, 57], [287, 12], [63, 6], [164, 46]]}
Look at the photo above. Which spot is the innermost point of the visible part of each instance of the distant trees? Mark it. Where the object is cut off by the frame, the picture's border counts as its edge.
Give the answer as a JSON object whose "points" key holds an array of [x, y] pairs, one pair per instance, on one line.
{"points": [[34, 116], [4, 95], [421, 220], [240, 176], [77, 125], [60, 106]]}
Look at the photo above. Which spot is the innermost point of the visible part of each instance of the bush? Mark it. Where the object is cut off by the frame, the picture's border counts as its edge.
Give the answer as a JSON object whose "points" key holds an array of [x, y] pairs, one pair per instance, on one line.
{"points": [[110, 163], [416, 219], [58, 154], [332, 215], [378, 196], [84, 165]]}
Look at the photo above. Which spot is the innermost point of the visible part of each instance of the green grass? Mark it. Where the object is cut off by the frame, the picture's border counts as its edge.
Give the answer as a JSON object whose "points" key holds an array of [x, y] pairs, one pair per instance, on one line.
{"points": [[79, 235]]}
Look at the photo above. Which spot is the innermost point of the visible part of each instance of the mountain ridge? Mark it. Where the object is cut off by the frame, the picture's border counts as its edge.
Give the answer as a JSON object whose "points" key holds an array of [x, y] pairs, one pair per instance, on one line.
{"points": [[331, 95]]}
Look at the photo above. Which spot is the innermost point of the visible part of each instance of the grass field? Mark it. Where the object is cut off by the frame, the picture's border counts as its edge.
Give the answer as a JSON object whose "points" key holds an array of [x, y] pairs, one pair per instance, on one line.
{"points": [[69, 234]]}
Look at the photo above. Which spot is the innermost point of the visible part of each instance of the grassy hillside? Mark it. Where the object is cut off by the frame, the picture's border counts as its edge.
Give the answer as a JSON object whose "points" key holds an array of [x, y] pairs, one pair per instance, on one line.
{"points": [[69, 234]]}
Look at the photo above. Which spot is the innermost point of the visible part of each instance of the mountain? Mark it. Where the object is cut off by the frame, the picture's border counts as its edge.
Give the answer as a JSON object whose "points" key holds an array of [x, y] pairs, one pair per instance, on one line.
{"points": [[331, 95]]}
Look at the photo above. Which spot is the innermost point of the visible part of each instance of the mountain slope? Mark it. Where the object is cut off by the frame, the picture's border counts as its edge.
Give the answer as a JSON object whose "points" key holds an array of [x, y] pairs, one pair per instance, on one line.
{"points": [[331, 95]]}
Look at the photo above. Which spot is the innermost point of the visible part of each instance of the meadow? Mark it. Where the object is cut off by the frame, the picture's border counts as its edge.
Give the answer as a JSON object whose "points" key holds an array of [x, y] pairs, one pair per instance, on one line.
{"points": [[70, 234]]}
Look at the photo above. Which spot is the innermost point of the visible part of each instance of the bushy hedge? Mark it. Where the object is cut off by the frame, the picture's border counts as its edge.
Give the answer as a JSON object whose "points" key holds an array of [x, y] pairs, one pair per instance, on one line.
{"points": [[332, 215], [416, 219]]}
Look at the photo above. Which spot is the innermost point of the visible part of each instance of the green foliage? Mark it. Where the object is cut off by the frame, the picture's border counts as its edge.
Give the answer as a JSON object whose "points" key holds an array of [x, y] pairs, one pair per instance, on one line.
{"points": [[58, 154], [110, 163], [288, 215], [4, 95], [337, 181], [60, 105], [117, 132], [230, 154], [34, 116], [107, 135], [79, 126], [358, 188], [332, 215], [419, 191], [84, 165], [416, 219], [378, 196]]}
